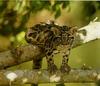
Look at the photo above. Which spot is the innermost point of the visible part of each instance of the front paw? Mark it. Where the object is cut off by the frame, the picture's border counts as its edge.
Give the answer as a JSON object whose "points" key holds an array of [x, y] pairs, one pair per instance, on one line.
{"points": [[52, 69], [65, 68]]}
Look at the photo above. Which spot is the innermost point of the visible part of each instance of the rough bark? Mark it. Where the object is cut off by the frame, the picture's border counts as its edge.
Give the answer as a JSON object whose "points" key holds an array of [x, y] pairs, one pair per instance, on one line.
{"points": [[42, 76], [19, 55]]}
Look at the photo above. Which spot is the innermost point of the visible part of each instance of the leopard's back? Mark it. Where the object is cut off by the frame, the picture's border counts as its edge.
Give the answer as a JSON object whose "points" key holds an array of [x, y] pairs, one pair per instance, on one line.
{"points": [[40, 35], [49, 36]]}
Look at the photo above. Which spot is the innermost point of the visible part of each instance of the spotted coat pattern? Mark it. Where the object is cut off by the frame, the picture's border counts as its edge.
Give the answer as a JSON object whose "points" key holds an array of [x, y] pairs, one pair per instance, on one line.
{"points": [[49, 37]]}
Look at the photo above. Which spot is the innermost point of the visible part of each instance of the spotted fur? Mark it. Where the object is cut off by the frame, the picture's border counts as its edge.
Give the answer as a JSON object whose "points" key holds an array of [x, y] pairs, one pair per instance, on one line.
{"points": [[49, 37]]}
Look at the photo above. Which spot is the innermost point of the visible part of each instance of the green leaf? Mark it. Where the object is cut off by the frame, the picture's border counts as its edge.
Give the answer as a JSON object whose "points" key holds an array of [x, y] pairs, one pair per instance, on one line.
{"points": [[56, 4], [38, 5], [58, 12], [65, 4]]}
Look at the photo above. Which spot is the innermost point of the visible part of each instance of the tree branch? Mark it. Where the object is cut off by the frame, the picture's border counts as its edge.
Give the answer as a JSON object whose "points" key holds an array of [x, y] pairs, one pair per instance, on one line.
{"points": [[88, 33], [42, 76], [29, 52], [19, 55]]}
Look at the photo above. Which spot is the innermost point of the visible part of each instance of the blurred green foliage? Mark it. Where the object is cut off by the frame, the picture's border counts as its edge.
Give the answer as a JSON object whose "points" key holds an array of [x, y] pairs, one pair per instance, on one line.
{"points": [[14, 15], [22, 10]]}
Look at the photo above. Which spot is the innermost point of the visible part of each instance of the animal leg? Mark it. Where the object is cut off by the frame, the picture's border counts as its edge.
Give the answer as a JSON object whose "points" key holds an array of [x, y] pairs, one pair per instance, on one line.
{"points": [[64, 66], [51, 66], [37, 64]]}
